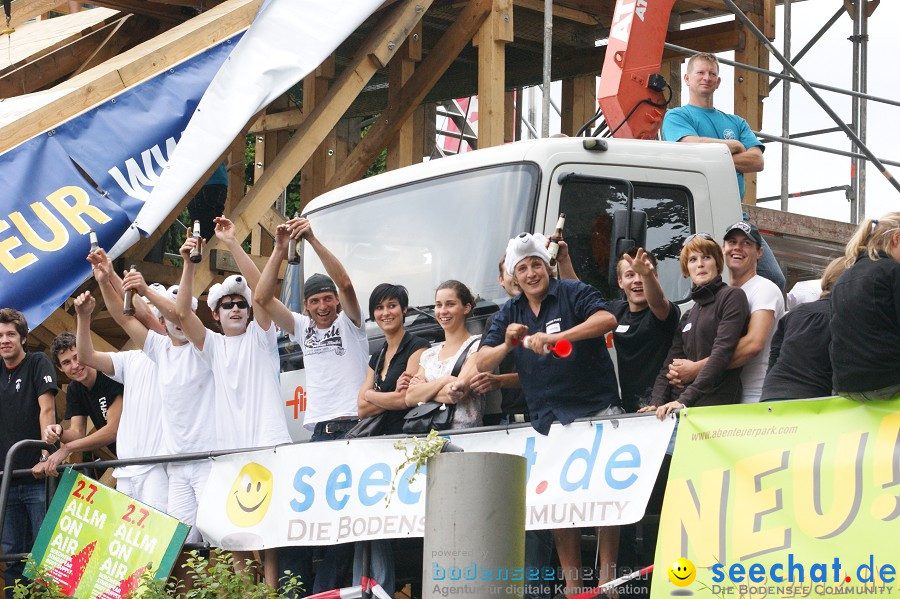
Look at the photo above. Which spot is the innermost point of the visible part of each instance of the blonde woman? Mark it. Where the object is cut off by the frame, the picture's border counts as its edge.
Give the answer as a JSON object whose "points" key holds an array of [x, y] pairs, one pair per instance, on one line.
{"points": [[865, 320]]}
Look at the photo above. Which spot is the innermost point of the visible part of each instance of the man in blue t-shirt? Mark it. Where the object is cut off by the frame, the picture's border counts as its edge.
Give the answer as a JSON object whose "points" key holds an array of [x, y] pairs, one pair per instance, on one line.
{"points": [[698, 122]]}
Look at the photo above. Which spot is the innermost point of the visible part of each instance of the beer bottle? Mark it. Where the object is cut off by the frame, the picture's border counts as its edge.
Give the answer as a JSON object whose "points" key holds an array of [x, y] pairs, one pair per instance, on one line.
{"points": [[553, 248], [197, 252], [95, 245], [129, 299], [293, 255]]}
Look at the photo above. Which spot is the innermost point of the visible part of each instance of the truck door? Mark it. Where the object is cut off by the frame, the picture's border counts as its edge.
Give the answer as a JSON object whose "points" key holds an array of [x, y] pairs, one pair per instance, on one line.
{"points": [[589, 204]]}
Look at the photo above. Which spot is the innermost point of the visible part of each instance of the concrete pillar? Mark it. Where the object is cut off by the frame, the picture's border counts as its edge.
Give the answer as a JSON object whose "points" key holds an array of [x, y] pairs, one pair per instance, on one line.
{"points": [[474, 523]]}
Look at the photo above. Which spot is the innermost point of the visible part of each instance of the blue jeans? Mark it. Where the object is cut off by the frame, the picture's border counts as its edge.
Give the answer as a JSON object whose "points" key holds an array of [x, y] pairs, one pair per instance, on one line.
{"points": [[25, 511], [381, 563]]}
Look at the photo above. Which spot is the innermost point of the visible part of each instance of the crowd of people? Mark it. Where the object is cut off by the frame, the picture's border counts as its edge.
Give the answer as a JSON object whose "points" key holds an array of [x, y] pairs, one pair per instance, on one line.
{"points": [[189, 388]]}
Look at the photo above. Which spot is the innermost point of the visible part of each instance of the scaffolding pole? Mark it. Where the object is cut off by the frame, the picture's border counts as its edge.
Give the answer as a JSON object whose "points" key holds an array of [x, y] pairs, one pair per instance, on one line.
{"points": [[751, 26], [786, 113], [548, 44], [863, 17]]}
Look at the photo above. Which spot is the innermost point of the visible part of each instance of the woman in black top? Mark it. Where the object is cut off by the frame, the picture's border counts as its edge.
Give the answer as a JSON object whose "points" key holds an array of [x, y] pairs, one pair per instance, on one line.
{"points": [[390, 368], [800, 358], [387, 378]]}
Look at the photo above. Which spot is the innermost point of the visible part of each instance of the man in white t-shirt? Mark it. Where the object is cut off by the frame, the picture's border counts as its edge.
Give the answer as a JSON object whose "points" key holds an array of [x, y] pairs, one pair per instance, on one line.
{"points": [[331, 334], [141, 431], [743, 247], [187, 397], [243, 359]]}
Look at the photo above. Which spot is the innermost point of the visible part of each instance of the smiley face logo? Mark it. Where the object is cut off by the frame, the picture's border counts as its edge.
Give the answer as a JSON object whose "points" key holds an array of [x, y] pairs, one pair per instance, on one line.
{"points": [[682, 572], [249, 496]]}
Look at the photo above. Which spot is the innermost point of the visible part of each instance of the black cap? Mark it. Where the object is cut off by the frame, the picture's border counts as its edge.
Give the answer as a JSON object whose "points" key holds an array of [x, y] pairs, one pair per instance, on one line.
{"points": [[748, 229], [318, 283]]}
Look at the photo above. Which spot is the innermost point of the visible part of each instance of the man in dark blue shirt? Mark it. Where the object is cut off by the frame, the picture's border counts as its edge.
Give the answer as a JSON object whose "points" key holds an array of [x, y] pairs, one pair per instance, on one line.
{"points": [[584, 384]]}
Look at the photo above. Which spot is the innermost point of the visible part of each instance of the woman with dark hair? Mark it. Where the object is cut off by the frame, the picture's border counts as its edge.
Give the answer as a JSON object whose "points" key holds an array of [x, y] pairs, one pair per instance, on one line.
{"points": [[453, 302], [392, 367], [384, 391], [710, 329]]}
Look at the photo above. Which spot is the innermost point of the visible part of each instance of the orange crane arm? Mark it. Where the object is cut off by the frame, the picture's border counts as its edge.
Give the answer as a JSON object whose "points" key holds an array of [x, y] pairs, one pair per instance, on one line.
{"points": [[633, 55]]}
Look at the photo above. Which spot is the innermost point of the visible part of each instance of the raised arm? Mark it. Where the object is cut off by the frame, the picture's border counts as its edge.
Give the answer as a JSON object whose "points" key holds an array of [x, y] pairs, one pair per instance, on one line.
{"points": [[84, 344], [264, 294], [225, 233], [346, 293], [193, 327], [656, 298]]}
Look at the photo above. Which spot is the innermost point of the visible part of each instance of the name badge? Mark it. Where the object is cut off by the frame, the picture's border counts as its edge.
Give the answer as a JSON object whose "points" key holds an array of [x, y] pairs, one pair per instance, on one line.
{"points": [[622, 328], [553, 328], [687, 327]]}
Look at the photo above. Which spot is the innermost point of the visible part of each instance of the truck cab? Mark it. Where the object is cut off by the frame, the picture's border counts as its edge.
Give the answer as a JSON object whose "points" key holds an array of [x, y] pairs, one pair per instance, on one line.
{"points": [[452, 218]]}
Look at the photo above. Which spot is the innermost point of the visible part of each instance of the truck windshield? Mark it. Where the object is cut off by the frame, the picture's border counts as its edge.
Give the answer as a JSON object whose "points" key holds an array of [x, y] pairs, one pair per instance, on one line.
{"points": [[418, 235]]}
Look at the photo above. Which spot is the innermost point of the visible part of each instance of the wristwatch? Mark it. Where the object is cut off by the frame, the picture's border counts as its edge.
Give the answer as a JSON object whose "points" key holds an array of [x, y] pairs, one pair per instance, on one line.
{"points": [[44, 458]]}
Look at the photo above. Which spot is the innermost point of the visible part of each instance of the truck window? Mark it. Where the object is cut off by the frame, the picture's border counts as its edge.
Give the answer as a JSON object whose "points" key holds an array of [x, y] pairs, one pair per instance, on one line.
{"points": [[420, 234], [589, 208]]}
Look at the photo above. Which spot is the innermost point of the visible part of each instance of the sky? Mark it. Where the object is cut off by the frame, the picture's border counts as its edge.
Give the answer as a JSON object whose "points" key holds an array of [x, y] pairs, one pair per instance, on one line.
{"points": [[830, 62]]}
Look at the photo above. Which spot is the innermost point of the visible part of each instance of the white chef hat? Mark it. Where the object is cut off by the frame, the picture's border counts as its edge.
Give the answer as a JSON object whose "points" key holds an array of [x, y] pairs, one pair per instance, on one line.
{"points": [[233, 285], [525, 245]]}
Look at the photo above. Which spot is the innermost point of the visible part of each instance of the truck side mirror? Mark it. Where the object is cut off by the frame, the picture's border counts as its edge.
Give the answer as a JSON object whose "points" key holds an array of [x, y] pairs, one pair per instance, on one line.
{"points": [[622, 239]]}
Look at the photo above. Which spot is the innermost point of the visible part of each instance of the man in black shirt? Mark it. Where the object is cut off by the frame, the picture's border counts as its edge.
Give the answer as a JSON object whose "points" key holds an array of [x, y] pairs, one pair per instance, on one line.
{"points": [[646, 326], [90, 394], [27, 388]]}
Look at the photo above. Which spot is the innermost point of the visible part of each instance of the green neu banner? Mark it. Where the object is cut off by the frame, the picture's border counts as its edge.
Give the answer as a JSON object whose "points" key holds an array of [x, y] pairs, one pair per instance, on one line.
{"points": [[97, 542], [783, 499]]}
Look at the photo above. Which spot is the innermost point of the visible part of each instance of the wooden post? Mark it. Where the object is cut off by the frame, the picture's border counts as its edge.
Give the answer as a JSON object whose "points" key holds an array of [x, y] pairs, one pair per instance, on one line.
{"points": [[314, 172], [747, 97], [491, 40], [400, 152], [509, 116], [671, 69], [579, 102]]}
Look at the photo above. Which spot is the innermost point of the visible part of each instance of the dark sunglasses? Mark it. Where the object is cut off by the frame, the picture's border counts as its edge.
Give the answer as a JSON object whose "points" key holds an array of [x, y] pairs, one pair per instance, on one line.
{"points": [[700, 235], [240, 304]]}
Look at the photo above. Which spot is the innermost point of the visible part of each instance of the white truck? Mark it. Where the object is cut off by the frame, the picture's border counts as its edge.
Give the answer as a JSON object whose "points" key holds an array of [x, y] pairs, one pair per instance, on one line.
{"points": [[451, 219]]}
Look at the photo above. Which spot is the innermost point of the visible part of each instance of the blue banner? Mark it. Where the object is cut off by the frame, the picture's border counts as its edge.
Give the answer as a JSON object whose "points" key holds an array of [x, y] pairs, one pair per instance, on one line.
{"points": [[93, 172]]}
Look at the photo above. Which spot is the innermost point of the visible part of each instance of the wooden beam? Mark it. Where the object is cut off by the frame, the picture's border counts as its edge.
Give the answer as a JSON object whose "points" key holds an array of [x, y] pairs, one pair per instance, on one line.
{"points": [[74, 57], [162, 12], [313, 174], [61, 321], [491, 40], [153, 272], [562, 12], [222, 261], [374, 52], [130, 31], [279, 121], [131, 67], [439, 59], [579, 102], [747, 98], [25, 10], [400, 69]]}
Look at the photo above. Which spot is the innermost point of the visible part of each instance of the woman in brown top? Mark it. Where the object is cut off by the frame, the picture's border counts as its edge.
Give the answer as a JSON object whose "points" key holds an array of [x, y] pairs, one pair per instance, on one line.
{"points": [[710, 329]]}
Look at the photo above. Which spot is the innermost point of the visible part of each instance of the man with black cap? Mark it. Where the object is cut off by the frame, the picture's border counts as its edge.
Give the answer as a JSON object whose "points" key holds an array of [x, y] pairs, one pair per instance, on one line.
{"points": [[743, 247], [332, 336]]}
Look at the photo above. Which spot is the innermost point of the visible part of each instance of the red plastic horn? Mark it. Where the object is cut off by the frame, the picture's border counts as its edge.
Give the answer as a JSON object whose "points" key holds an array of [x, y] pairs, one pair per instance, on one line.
{"points": [[560, 349]]}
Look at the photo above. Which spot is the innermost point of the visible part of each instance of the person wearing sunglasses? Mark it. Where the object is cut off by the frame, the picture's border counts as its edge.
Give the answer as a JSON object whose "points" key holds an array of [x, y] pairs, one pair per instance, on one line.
{"points": [[710, 330], [243, 359]]}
